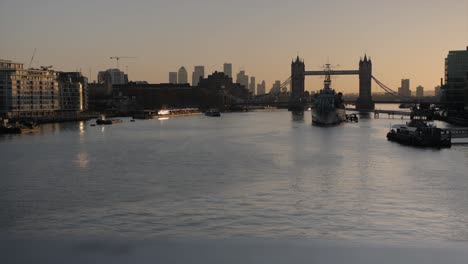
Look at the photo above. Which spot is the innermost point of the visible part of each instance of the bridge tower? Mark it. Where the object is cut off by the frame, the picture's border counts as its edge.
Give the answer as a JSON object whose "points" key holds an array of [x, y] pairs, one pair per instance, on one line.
{"points": [[297, 78], [364, 101]]}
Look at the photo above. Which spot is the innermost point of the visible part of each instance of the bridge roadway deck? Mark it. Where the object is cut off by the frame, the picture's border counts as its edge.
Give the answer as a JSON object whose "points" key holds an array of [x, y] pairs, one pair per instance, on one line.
{"points": [[342, 72]]}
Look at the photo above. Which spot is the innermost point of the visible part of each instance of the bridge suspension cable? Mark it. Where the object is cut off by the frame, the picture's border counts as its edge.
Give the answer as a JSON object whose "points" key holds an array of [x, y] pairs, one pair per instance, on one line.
{"points": [[389, 90], [285, 84]]}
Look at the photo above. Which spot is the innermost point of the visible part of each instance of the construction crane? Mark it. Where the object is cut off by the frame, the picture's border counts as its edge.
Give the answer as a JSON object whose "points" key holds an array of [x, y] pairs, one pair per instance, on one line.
{"points": [[117, 58], [32, 58]]}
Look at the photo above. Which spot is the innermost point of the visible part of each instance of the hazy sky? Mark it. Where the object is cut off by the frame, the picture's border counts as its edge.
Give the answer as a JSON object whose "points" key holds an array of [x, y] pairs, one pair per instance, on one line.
{"points": [[406, 39]]}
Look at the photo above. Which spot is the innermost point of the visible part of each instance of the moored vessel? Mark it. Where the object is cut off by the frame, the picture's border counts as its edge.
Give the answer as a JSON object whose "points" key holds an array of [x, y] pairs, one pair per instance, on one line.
{"points": [[102, 120], [328, 106], [418, 133]]}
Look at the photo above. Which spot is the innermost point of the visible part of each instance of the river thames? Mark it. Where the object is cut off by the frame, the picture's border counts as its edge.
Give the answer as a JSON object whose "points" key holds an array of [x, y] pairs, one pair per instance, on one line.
{"points": [[255, 175]]}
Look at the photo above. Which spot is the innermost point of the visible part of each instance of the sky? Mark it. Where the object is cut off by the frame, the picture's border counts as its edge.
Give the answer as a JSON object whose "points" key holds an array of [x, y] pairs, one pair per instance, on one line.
{"points": [[405, 39]]}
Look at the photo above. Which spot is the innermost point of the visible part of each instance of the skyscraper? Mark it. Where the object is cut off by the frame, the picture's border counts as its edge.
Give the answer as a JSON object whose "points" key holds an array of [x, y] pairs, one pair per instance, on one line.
{"points": [[261, 88], [243, 79], [252, 85], [276, 88], [173, 77], [199, 72], [404, 90], [419, 91], [182, 75], [228, 69]]}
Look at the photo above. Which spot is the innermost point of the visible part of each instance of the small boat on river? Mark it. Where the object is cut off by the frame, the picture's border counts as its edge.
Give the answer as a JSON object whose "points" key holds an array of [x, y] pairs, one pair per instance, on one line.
{"points": [[102, 120]]}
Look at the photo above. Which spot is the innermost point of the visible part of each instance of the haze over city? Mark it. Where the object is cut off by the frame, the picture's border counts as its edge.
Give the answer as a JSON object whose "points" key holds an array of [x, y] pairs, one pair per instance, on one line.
{"points": [[405, 39]]}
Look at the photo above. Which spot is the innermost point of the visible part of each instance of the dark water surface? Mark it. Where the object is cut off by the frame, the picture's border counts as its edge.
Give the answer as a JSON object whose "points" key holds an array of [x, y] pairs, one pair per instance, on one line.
{"points": [[245, 175]]}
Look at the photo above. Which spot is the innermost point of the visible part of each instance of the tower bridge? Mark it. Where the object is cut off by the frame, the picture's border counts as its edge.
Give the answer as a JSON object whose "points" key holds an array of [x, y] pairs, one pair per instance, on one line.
{"points": [[364, 101]]}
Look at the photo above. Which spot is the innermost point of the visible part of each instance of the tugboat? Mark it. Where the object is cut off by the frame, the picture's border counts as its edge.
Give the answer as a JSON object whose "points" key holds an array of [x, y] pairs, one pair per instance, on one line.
{"points": [[328, 107], [419, 133]]}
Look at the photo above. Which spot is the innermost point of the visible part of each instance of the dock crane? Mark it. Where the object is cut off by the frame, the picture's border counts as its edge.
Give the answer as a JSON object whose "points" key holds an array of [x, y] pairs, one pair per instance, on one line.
{"points": [[117, 58]]}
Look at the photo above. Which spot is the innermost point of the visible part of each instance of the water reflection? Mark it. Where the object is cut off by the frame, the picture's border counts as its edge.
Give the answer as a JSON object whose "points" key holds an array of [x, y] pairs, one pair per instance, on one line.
{"points": [[297, 116], [82, 132], [82, 160], [196, 177]]}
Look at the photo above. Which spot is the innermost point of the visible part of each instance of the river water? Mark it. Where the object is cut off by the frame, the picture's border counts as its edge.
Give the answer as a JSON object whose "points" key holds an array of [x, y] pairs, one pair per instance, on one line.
{"points": [[264, 174]]}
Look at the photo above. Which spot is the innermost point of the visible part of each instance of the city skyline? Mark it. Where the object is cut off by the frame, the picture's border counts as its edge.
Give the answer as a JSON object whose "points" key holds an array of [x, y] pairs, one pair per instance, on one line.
{"points": [[405, 41]]}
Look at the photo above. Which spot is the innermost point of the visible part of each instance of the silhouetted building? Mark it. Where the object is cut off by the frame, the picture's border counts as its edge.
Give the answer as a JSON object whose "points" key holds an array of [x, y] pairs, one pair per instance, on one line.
{"points": [[140, 96], [218, 90], [173, 77], [437, 91], [182, 75], [98, 97], [72, 92], [27, 92], [419, 91], [199, 72], [456, 72], [227, 67], [252, 85], [276, 88], [112, 76], [404, 90], [261, 88], [243, 79]]}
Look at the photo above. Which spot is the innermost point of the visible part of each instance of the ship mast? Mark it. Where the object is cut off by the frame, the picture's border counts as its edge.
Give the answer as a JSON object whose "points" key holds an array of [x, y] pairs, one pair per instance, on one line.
{"points": [[327, 80]]}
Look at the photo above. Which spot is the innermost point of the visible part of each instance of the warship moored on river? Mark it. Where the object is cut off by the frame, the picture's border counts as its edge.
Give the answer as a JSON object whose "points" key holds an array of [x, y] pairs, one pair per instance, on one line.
{"points": [[328, 106]]}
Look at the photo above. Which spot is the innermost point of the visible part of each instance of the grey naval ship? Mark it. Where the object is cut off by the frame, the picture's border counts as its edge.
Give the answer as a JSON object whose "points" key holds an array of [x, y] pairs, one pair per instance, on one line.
{"points": [[328, 106]]}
